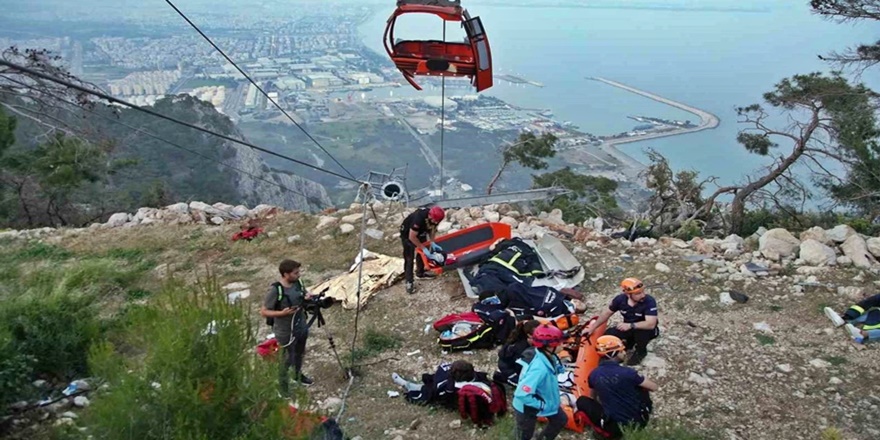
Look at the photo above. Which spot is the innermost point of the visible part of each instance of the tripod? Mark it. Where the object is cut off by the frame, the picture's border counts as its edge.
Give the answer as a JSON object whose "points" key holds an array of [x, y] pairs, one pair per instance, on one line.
{"points": [[318, 316]]}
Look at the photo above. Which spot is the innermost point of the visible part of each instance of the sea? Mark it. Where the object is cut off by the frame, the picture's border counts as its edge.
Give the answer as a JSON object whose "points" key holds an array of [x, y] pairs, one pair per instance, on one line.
{"points": [[715, 55]]}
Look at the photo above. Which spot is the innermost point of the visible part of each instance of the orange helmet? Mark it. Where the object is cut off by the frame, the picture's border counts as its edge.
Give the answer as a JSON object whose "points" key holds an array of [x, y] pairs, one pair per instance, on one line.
{"points": [[632, 286], [608, 344]]}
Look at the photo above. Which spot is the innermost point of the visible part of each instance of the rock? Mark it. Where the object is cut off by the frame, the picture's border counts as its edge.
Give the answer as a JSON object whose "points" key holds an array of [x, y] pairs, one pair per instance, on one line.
{"points": [[374, 233], [835, 381], [178, 208], [202, 206], [820, 363], [815, 233], [81, 401], [475, 212], [69, 415], [217, 220], [854, 293], [840, 233], [492, 216], [785, 368], [554, 217], [239, 211], [660, 267], [653, 361], [645, 241], [293, 238], [353, 218], [118, 219], [844, 261], [815, 253], [702, 246], [874, 246], [857, 250], [271, 234], [726, 299], [82, 385], [263, 210], [415, 424], [444, 226], [331, 404], [514, 214], [777, 243], [739, 297], [326, 237], [699, 379], [326, 220], [762, 327], [507, 220], [345, 228], [455, 424]]}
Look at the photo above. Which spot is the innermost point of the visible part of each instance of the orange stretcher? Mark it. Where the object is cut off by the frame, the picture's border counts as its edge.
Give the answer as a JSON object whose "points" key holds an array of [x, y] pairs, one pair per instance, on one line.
{"points": [[468, 246]]}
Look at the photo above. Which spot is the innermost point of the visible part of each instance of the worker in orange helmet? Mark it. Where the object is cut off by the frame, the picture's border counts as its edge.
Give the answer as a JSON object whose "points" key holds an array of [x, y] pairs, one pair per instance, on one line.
{"points": [[639, 312], [619, 396], [417, 228]]}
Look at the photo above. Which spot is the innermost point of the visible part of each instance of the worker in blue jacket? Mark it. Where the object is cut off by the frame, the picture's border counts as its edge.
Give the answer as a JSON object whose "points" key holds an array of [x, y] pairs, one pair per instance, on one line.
{"points": [[537, 393]]}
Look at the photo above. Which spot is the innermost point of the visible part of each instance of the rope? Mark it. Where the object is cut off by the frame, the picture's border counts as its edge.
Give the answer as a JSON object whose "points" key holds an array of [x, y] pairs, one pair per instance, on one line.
{"points": [[258, 87], [109, 98], [318, 202]]}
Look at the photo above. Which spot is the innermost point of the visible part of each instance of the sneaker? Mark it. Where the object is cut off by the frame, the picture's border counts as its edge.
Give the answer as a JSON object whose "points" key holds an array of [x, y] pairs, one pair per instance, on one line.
{"points": [[854, 332], [833, 316], [409, 288], [426, 275], [305, 380]]}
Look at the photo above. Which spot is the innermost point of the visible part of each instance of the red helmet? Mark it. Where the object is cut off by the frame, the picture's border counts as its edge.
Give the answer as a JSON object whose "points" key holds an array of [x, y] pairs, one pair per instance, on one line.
{"points": [[436, 214], [547, 336]]}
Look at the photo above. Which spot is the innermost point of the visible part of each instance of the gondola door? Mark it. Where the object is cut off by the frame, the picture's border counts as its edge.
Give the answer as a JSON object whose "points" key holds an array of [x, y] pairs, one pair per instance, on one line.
{"points": [[480, 43]]}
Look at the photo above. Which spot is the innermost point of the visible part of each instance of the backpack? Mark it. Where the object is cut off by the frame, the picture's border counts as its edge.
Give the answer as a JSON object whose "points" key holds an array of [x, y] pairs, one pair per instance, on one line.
{"points": [[462, 331], [480, 406], [277, 285]]}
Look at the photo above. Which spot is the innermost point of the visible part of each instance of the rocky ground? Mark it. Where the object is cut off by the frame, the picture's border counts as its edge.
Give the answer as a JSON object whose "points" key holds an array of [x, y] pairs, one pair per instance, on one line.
{"points": [[771, 367]]}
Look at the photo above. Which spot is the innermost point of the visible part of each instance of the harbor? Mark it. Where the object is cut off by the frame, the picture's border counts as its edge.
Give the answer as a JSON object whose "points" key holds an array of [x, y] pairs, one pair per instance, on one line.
{"points": [[515, 79]]}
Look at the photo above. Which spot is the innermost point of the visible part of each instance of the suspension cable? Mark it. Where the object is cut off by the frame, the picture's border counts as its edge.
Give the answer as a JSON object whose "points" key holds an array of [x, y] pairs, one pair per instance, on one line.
{"points": [[254, 83], [308, 198], [109, 98], [442, 119]]}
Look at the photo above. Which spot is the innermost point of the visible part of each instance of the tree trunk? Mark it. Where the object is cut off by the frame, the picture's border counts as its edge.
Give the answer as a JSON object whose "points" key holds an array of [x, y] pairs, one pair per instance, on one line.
{"points": [[738, 212], [496, 177]]}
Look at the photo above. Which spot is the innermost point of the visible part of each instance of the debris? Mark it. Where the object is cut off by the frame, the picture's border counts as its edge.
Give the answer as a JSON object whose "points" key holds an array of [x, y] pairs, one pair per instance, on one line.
{"points": [[413, 353], [393, 394]]}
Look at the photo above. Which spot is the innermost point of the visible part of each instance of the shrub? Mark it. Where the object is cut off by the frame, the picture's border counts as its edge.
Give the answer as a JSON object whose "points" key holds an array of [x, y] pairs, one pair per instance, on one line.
{"points": [[15, 371], [186, 369]]}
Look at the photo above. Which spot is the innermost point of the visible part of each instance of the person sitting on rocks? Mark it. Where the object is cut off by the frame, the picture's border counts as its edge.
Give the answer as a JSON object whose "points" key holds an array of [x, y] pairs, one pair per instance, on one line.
{"points": [[640, 323], [457, 384], [620, 396], [865, 313]]}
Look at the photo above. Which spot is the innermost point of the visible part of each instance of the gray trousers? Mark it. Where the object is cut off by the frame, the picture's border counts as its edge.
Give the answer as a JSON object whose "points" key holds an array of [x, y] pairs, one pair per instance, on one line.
{"points": [[525, 424]]}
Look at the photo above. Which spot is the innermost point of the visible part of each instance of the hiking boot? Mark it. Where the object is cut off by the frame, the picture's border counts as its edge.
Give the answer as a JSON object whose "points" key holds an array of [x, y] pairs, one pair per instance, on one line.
{"points": [[305, 380], [426, 275], [410, 289], [635, 358], [833, 316]]}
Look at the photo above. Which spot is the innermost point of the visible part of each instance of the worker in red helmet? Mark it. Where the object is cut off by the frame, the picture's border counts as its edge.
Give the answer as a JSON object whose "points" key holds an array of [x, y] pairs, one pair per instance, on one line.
{"points": [[417, 228], [537, 392], [639, 312]]}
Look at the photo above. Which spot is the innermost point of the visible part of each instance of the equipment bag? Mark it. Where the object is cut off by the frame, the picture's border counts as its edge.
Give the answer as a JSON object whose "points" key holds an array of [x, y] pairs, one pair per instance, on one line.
{"points": [[463, 331]]}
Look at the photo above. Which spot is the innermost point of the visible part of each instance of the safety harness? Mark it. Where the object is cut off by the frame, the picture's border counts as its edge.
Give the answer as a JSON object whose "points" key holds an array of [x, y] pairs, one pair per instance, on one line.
{"points": [[861, 311], [512, 254]]}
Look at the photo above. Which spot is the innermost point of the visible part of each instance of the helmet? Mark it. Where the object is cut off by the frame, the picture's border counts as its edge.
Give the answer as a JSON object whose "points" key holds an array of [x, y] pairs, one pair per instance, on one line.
{"points": [[547, 336], [632, 286], [608, 344], [436, 214]]}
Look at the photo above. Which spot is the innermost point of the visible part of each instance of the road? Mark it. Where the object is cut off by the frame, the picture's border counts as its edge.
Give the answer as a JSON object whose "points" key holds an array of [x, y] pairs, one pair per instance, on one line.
{"points": [[426, 150]]}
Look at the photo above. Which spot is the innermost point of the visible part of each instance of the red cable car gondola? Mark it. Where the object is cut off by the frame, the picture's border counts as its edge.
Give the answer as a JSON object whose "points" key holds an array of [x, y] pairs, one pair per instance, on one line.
{"points": [[471, 59]]}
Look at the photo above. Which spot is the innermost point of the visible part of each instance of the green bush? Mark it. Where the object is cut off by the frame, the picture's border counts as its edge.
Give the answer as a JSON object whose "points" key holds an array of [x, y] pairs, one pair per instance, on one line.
{"points": [[186, 369], [56, 331], [15, 371]]}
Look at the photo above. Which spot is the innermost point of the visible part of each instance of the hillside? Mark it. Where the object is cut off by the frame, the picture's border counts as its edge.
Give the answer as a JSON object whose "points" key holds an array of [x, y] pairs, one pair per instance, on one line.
{"points": [[769, 368]]}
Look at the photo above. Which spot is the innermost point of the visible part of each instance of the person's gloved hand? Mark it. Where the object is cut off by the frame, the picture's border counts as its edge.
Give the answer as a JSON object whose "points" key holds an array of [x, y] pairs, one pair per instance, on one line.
{"points": [[435, 247], [430, 255]]}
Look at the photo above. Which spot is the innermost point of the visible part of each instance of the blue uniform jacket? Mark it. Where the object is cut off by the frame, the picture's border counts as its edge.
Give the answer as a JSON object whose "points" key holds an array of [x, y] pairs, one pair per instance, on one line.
{"points": [[538, 387]]}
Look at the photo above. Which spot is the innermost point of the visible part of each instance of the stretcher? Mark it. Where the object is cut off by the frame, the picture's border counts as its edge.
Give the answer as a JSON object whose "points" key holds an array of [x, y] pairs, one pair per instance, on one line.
{"points": [[467, 246]]}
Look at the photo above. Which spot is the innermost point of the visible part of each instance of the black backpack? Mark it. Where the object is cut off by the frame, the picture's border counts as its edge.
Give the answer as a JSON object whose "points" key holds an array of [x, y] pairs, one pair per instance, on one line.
{"points": [[277, 306]]}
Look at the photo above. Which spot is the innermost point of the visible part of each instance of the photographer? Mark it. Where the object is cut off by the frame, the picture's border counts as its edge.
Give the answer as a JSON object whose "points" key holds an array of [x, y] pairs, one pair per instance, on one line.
{"points": [[283, 307]]}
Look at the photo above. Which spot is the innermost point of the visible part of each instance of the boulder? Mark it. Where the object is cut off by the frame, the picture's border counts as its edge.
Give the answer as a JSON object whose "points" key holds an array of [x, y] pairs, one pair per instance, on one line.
{"points": [[353, 218], [492, 216], [857, 250], [239, 211], [374, 233], [326, 220], [204, 207], [874, 246], [345, 228], [554, 218], [777, 243], [178, 208], [118, 219], [217, 220], [816, 253], [509, 221], [815, 233], [840, 233], [444, 226]]}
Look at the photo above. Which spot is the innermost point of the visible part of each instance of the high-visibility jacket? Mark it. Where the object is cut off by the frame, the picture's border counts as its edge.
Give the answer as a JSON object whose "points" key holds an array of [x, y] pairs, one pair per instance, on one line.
{"points": [[870, 306], [516, 256]]}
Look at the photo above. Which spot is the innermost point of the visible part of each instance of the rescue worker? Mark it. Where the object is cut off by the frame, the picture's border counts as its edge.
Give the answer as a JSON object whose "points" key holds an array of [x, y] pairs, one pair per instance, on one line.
{"points": [[283, 305], [537, 392], [515, 348], [417, 228], [639, 312], [620, 396], [865, 313], [512, 261]]}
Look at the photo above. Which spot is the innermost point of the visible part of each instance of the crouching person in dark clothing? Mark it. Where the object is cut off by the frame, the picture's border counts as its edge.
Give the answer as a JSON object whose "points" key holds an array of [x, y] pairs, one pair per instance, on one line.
{"points": [[620, 395], [283, 307], [639, 312], [512, 353]]}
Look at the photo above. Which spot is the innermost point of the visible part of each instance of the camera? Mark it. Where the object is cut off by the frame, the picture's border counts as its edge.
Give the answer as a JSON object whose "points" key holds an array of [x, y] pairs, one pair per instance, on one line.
{"points": [[313, 306]]}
